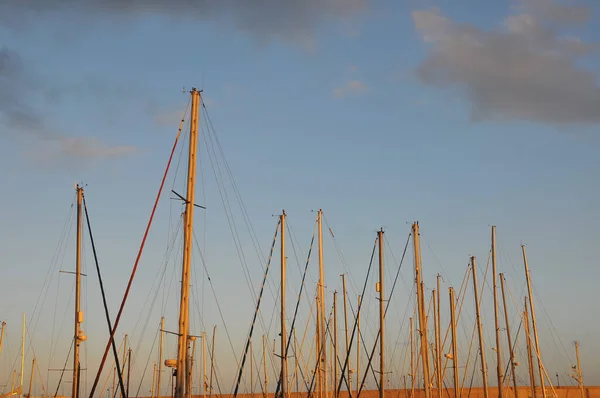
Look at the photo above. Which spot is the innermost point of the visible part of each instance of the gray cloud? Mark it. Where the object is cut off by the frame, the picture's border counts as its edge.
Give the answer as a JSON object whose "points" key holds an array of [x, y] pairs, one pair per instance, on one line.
{"points": [[528, 70], [20, 117], [289, 20]]}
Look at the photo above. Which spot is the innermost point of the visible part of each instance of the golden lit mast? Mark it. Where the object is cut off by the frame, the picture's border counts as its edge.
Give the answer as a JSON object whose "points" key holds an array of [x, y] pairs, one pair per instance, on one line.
{"points": [[184, 306]]}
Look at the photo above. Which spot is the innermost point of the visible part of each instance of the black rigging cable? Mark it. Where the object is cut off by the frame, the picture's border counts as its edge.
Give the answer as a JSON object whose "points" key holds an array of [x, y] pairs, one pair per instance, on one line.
{"points": [[114, 347]]}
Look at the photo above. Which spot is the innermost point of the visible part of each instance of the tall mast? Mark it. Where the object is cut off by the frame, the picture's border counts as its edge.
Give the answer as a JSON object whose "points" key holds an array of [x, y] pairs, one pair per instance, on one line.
{"points": [[344, 295], [335, 346], [322, 368], [422, 311], [479, 328], [496, 321], [457, 388], [160, 354], [381, 317], [509, 338], [436, 328], [78, 335], [128, 370], [578, 372], [124, 361], [190, 366], [529, 350], [534, 324], [184, 304], [284, 375]]}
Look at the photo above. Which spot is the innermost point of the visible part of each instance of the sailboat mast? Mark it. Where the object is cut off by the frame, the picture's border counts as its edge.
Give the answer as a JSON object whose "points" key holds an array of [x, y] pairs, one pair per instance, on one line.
{"points": [[529, 350], [381, 317], [184, 305], [335, 346], [322, 368], [496, 318], [457, 389], [422, 311], [284, 378], [578, 371], [534, 324], [509, 338], [78, 313], [479, 328]]}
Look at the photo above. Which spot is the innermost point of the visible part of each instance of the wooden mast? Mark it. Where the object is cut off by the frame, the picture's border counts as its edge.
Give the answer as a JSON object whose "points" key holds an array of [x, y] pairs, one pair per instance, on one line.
{"points": [[457, 389], [284, 376], [184, 305], [509, 338], [496, 317], [529, 350], [534, 324], [335, 346], [322, 368], [578, 373], [78, 335], [422, 311], [381, 317], [436, 328], [479, 328]]}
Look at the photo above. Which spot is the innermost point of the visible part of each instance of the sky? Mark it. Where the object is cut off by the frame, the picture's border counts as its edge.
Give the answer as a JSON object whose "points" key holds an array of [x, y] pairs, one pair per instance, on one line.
{"points": [[459, 115]]}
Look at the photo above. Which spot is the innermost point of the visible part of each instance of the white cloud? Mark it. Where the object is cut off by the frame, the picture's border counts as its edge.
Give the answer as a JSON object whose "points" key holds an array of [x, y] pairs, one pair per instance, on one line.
{"points": [[528, 70]]}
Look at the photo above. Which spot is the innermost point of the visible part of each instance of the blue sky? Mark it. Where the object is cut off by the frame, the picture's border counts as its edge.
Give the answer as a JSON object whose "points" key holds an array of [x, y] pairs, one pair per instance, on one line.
{"points": [[380, 113]]}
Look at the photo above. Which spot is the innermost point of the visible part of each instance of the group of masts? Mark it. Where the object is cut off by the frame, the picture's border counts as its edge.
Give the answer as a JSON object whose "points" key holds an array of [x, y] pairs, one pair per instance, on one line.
{"points": [[183, 365]]}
